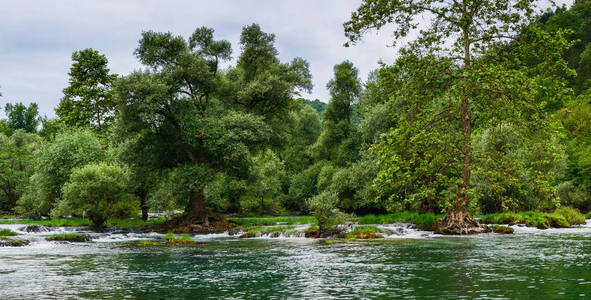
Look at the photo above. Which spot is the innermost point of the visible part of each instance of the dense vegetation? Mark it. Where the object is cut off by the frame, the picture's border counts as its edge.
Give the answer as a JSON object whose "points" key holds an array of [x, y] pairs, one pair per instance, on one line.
{"points": [[488, 111]]}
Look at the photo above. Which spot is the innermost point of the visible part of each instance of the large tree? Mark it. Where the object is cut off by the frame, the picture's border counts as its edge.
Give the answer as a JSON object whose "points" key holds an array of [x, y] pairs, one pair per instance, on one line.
{"points": [[450, 88], [184, 110], [88, 99]]}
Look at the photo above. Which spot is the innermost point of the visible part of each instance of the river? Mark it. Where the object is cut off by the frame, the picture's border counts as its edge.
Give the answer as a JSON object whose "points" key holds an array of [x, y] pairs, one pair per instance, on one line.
{"points": [[532, 263]]}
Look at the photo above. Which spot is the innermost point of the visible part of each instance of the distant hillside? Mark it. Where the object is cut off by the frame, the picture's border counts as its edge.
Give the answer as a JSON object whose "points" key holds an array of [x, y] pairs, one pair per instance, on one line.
{"points": [[318, 105]]}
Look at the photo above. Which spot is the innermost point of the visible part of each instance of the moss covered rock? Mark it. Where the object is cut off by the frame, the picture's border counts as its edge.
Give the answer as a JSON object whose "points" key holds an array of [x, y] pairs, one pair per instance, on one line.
{"points": [[8, 242], [69, 237], [503, 229]]}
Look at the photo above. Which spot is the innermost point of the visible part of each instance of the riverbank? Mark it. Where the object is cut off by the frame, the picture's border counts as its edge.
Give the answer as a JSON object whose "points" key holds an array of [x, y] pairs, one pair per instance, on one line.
{"points": [[363, 227]]}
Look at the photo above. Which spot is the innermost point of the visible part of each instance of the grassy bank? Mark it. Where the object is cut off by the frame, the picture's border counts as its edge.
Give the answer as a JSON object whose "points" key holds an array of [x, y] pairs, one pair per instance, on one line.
{"points": [[421, 221], [562, 217]]}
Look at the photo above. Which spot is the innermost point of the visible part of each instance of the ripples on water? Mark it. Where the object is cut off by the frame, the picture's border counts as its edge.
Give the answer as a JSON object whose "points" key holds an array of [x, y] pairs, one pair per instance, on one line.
{"points": [[551, 264]]}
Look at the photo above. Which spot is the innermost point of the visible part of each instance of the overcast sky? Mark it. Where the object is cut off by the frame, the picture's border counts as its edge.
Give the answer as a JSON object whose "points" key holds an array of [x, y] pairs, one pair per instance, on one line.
{"points": [[37, 38]]}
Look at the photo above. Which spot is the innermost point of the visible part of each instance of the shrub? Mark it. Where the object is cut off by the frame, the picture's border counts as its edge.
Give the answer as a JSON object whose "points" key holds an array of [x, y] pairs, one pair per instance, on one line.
{"points": [[572, 215], [94, 190], [324, 208]]}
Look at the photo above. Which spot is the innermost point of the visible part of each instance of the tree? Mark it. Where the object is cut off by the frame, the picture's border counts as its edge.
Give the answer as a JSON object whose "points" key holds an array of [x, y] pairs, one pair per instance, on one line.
{"points": [[338, 140], [16, 160], [265, 184], [88, 99], [94, 190], [22, 117], [54, 163], [476, 90], [181, 110]]}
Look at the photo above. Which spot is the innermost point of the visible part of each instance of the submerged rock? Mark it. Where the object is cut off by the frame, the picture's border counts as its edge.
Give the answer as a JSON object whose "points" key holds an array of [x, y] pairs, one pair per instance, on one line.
{"points": [[34, 228], [503, 229]]}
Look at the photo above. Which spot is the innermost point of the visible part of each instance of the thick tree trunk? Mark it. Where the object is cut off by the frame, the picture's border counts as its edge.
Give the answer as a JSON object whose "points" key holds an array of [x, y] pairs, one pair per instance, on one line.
{"points": [[196, 210], [459, 221]]}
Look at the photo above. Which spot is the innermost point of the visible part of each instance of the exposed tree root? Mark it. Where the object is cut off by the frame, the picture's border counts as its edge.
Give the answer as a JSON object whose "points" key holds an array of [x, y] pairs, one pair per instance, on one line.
{"points": [[460, 222]]}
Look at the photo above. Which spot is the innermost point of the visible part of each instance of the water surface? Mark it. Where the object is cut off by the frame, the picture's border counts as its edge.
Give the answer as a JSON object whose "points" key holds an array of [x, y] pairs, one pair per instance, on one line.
{"points": [[551, 264]]}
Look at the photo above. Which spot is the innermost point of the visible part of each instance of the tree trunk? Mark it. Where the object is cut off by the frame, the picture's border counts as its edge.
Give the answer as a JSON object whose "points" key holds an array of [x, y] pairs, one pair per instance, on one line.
{"points": [[458, 220], [196, 210], [143, 203]]}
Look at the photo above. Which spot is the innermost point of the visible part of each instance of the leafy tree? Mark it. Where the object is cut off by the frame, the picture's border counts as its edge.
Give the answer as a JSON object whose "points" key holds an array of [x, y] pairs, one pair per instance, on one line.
{"points": [[16, 160], [182, 110], [53, 166], [94, 190], [88, 99], [265, 185], [449, 88], [338, 141], [22, 117]]}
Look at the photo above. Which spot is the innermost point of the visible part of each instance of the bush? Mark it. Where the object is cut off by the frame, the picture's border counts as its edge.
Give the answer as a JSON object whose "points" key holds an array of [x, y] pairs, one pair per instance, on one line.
{"points": [[96, 191], [324, 208], [572, 215]]}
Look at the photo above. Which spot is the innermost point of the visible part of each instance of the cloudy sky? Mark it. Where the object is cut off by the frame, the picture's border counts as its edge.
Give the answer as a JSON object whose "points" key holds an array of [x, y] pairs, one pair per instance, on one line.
{"points": [[37, 38]]}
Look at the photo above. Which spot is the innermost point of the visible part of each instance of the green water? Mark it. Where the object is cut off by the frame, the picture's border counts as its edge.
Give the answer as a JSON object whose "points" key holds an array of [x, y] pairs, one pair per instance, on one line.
{"points": [[540, 266]]}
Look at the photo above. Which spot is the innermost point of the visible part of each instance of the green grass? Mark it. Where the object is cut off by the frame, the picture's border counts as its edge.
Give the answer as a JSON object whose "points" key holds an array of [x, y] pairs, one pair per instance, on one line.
{"points": [[7, 232], [132, 222], [572, 215], [266, 221], [183, 239], [68, 237], [588, 215], [529, 218], [8, 216], [421, 221]]}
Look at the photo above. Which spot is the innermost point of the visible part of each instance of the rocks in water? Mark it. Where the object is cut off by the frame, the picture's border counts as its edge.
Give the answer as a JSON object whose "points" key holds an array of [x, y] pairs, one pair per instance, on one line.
{"points": [[311, 233], [69, 237], [247, 235], [503, 229], [8, 242], [365, 236], [34, 228]]}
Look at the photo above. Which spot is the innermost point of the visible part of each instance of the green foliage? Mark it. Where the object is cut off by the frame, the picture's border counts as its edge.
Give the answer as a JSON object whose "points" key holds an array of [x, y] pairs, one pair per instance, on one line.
{"points": [[16, 164], [197, 124], [53, 166], [572, 215], [530, 218], [68, 237], [426, 221], [338, 141], [94, 190], [7, 232], [183, 239], [265, 184], [88, 99], [273, 221], [22, 117], [324, 208], [317, 105]]}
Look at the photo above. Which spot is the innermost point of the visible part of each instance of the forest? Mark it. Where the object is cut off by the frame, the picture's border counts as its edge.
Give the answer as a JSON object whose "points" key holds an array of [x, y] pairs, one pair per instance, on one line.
{"points": [[486, 113]]}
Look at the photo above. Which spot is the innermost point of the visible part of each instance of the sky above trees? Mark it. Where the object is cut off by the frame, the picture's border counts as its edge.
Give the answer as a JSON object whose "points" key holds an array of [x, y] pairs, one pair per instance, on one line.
{"points": [[38, 38]]}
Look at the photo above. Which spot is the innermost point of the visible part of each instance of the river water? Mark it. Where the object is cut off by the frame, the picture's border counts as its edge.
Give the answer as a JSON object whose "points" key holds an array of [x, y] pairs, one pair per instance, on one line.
{"points": [[531, 264]]}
